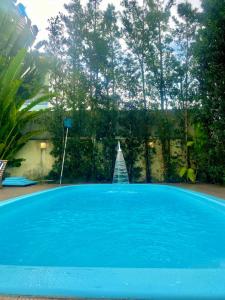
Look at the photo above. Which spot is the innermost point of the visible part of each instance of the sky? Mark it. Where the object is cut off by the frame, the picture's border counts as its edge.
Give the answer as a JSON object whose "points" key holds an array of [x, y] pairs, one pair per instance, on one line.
{"points": [[39, 11]]}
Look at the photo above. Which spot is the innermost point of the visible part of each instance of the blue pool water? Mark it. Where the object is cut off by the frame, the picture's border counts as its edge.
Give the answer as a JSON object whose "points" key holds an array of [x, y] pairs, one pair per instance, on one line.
{"points": [[115, 228]]}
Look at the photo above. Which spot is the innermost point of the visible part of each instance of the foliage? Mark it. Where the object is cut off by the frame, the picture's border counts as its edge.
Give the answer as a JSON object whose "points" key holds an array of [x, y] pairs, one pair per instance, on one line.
{"points": [[210, 73], [14, 116], [134, 77], [22, 76], [188, 172]]}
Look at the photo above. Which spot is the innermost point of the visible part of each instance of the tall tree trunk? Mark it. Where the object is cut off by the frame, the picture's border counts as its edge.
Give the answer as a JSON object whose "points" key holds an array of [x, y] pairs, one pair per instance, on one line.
{"points": [[95, 77], [161, 68], [146, 137], [186, 101], [165, 140]]}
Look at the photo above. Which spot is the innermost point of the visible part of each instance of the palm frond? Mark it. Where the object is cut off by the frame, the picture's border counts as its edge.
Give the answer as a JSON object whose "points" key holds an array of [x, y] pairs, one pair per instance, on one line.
{"points": [[15, 117]]}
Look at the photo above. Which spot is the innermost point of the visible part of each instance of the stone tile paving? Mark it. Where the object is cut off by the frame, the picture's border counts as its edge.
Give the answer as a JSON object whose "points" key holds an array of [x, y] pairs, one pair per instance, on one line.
{"points": [[212, 189], [35, 298], [10, 192]]}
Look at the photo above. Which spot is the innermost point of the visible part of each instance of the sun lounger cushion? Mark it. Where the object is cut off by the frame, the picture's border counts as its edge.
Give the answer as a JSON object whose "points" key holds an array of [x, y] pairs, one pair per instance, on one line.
{"points": [[18, 181]]}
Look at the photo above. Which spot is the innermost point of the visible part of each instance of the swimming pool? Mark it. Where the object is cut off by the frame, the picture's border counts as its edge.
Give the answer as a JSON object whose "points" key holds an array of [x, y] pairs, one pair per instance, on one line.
{"points": [[125, 241]]}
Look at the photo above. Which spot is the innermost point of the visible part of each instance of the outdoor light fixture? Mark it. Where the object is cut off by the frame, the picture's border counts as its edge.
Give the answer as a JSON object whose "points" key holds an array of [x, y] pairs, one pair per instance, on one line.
{"points": [[151, 144], [43, 145]]}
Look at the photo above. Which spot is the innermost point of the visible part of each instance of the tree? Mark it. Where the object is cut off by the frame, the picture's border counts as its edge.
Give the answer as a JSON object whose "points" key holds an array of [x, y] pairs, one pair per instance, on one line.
{"points": [[210, 56], [136, 35], [87, 58], [185, 32], [161, 62]]}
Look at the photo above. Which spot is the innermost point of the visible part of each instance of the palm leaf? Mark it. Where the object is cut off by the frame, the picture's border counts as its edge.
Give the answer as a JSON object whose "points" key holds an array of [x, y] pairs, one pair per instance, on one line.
{"points": [[14, 118]]}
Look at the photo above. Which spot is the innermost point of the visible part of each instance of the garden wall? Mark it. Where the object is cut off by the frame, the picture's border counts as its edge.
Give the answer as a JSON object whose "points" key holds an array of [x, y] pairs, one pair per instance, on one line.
{"points": [[38, 162]]}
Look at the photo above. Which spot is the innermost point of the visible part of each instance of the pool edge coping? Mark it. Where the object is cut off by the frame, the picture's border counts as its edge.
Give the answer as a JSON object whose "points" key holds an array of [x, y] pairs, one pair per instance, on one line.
{"points": [[206, 196]]}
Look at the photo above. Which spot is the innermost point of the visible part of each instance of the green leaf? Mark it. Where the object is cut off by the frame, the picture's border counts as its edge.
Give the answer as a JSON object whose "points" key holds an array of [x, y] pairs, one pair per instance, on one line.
{"points": [[191, 175], [182, 171], [14, 120], [2, 146], [190, 144]]}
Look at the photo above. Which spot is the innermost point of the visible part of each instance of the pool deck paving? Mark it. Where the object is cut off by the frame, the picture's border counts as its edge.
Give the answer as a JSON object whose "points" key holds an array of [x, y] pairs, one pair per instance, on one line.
{"points": [[10, 192], [211, 189], [44, 298], [51, 298]]}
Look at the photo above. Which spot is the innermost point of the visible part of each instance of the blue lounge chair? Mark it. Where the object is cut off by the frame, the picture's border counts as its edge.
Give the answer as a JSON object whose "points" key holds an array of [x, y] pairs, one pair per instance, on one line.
{"points": [[18, 181]]}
